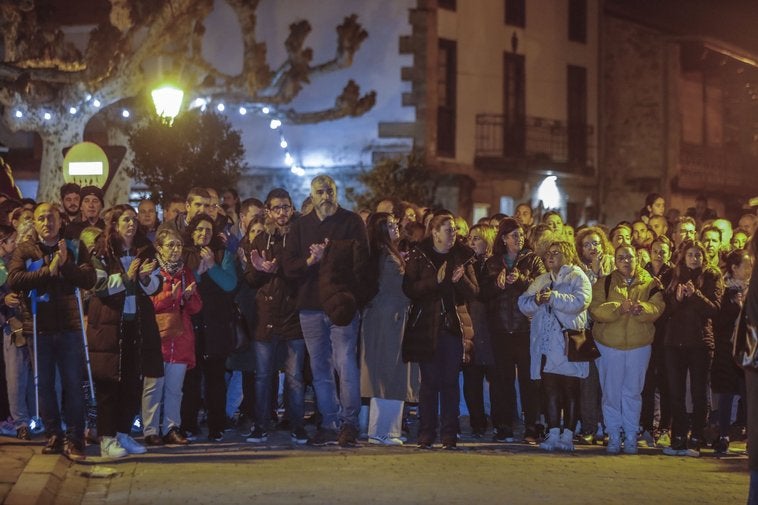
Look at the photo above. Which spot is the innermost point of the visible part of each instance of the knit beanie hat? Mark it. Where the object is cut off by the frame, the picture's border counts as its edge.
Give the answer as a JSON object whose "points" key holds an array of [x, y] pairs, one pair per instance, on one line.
{"points": [[92, 190]]}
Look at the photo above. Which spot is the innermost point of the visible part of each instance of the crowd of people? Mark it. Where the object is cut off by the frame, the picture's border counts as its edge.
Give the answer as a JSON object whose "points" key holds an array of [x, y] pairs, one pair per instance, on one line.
{"points": [[375, 309]]}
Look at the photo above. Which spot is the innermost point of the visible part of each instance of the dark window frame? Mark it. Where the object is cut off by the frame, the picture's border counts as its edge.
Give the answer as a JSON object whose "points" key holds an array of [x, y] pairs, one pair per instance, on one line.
{"points": [[577, 21], [446, 4], [515, 13], [576, 114], [446, 112], [514, 105]]}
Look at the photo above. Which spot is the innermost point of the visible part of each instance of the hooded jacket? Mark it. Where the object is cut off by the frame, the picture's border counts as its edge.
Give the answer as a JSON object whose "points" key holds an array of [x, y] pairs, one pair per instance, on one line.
{"points": [[689, 323]]}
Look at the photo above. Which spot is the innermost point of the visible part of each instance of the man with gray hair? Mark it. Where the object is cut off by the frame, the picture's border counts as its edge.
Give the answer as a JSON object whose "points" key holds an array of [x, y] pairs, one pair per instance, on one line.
{"points": [[327, 251]]}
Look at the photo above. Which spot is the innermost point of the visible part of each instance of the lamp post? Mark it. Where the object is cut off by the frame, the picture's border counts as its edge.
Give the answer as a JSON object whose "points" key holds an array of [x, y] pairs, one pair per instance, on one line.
{"points": [[168, 102]]}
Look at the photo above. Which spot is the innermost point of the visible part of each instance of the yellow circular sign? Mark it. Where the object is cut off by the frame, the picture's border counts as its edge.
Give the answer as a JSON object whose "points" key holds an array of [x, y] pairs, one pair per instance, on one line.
{"points": [[86, 165]]}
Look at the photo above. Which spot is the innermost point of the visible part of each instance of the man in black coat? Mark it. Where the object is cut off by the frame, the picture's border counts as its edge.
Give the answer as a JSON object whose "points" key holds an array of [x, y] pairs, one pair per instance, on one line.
{"points": [[46, 269], [329, 307]]}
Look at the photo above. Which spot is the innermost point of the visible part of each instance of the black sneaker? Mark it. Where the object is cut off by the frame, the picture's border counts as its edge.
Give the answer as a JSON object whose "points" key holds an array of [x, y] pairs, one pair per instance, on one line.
{"points": [[477, 433], [257, 436], [323, 437], [530, 435], [348, 436], [54, 445], [299, 436], [215, 436], [503, 435], [73, 449]]}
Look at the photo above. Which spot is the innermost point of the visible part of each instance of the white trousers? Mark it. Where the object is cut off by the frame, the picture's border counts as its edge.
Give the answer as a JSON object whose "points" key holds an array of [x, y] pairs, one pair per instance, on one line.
{"points": [[166, 390], [385, 418], [622, 377]]}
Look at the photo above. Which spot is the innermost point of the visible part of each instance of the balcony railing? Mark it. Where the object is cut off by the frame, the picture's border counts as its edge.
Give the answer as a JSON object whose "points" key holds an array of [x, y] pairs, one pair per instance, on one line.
{"points": [[706, 168], [535, 141]]}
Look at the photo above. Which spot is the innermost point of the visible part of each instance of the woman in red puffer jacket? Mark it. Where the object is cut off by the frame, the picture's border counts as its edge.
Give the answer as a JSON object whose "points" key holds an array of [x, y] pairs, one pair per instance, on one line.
{"points": [[178, 295]]}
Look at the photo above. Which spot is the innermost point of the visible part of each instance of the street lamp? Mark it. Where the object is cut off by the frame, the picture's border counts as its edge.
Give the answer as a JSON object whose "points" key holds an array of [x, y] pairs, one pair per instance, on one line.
{"points": [[168, 101]]}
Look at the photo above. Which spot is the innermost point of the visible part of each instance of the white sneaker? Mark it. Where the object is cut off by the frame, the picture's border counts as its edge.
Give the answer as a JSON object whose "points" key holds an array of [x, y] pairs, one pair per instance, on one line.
{"points": [[110, 448], [566, 442], [384, 440], [129, 444], [552, 441]]}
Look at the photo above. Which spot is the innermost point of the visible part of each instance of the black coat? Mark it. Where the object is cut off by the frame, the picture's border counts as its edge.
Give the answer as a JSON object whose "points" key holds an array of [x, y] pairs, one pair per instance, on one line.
{"points": [[689, 321], [276, 296], [502, 304], [105, 330], [725, 374], [60, 312], [420, 285], [343, 280]]}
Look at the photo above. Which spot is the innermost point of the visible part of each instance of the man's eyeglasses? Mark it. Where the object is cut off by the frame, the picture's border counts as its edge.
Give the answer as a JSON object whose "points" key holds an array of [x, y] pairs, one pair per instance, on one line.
{"points": [[280, 209], [173, 245], [625, 259]]}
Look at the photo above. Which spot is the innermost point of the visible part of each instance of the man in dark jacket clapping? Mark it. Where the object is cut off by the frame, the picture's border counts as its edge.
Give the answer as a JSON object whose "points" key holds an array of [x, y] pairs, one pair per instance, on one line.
{"points": [[46, 269], [329, 307]]}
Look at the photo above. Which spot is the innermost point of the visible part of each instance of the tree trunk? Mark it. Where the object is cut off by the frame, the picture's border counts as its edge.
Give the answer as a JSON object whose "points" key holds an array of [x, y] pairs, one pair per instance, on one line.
{"points": [[54, 141]]}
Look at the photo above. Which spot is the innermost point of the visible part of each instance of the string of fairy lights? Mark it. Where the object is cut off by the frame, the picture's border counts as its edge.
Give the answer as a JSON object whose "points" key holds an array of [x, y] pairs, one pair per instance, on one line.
{"points": [[202, 103]]}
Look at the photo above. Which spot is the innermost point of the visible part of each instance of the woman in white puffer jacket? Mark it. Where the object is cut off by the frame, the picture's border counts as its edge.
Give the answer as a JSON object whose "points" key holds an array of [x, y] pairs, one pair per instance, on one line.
{"points": [[555, 301]]}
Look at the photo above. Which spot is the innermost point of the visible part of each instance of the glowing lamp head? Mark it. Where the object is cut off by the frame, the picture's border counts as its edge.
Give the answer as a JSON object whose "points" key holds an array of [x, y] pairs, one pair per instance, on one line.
{"points": [[167, 101]]}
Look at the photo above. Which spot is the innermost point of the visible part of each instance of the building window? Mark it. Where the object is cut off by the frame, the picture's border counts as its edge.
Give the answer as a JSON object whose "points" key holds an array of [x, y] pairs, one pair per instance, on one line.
{"points": [[577, 116], [577, 21], [446, 76], [514, 105], [515, 12], [446, 4]]}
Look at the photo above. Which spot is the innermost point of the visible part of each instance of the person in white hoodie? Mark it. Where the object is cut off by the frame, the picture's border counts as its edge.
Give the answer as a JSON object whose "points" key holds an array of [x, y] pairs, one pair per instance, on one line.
{"points": [[556, 301]]}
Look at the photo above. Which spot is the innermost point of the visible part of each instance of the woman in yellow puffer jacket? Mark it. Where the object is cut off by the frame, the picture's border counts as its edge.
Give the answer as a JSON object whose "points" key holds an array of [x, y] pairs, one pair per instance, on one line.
{"points": [[624, 307]]}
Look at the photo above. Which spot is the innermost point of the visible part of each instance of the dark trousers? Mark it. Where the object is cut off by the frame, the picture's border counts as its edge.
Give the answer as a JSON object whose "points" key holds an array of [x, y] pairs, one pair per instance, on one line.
{"points": [[512, 356], [62, 351], [247, 407], [213, 368], [656, 379], [473, 393], [696, 361], [439, 390], [561, 393], [590, 409], [119, 401]]}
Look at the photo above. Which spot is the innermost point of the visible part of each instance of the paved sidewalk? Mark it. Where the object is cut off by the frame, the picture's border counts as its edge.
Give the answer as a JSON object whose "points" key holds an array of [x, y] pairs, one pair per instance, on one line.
{"points": [[28, 477], [235, 472]]}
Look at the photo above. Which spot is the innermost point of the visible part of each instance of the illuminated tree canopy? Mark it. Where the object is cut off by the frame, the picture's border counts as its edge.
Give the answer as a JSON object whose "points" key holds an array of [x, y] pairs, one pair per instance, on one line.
{"points": [[54, 85]]}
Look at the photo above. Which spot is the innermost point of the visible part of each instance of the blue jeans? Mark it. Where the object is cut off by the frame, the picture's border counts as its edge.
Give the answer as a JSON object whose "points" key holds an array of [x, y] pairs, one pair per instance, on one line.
{"points": [[64, 350], [333, 349], [266, 353], [18, 376]]}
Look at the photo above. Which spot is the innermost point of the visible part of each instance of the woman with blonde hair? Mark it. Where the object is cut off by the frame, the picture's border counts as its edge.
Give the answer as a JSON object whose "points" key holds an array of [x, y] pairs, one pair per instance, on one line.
{"points": [[557, 301]]}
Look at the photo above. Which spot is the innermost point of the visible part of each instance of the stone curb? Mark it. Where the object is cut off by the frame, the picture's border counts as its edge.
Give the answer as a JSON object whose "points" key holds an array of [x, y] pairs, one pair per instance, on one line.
{"points": [[39, 481]]}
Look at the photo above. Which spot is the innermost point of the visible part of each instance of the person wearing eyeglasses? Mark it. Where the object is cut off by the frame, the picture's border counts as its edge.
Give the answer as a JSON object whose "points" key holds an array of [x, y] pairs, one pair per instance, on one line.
{"points": [[178, 295], [623, 328], [216, 277], [277, 330], [693, 296], [556, 301], [596, 255]]}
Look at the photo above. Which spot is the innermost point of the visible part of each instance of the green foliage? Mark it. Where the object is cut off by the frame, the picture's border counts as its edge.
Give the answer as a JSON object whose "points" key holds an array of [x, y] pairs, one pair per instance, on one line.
{"points": [[198, 149], [403, 178]]}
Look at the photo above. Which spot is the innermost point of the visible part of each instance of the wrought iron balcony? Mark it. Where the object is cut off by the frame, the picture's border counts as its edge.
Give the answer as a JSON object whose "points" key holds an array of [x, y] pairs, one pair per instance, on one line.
{"points": [[532, 143], [717, 169]]}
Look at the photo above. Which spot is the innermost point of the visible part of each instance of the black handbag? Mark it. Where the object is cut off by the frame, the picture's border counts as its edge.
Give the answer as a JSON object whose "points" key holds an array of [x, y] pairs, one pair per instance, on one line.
{"points": [[745, 342], [580, 345]]}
